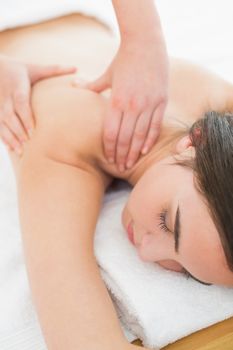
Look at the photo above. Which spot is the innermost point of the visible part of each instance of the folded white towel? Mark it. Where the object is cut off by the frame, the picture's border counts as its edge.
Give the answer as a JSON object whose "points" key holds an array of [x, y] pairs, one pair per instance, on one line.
{"points": [[156, 305]]}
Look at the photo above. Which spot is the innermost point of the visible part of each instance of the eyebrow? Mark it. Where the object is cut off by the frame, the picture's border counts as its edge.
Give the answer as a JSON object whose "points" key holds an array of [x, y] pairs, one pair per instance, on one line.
{"points": [[176, 229], [177, 234]]}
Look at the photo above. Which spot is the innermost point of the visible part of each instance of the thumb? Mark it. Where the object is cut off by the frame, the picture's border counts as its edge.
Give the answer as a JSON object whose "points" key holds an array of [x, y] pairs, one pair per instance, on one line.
{"points": [[42, 72], [97, 85]]}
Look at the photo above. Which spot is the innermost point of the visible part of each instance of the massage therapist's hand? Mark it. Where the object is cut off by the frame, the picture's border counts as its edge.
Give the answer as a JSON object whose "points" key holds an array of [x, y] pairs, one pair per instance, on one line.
{"points": [[16, 79], [138, 76]]}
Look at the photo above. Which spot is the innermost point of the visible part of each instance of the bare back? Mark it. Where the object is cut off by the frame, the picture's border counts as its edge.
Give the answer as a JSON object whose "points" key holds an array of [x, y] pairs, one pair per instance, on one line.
{"points": [[76, 115]]}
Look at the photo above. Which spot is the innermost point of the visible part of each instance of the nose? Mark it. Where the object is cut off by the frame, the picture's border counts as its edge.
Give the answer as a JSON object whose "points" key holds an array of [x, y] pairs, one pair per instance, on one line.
{"points": [[139, 232]]}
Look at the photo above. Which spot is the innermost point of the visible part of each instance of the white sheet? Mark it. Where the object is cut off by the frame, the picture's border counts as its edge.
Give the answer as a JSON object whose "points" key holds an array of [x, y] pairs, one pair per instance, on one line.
{"points": [[16, 13], [195, 29]]}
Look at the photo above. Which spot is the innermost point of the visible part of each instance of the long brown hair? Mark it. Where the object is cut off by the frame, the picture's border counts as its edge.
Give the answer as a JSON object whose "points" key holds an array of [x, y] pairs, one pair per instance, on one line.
{"points": [[212, 137]]}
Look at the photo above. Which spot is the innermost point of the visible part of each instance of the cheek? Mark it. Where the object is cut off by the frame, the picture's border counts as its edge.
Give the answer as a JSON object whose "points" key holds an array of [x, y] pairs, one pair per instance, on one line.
{"points": [[155, 247], [144, 203], [152, 192]]}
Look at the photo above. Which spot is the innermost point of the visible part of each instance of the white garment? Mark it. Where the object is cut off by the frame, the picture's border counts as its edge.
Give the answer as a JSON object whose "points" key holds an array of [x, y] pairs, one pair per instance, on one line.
{"points": [[16, 13], [173, 306]]}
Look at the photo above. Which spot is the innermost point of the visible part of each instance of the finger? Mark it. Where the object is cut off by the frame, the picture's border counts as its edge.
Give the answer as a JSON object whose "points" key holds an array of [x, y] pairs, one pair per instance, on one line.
{"points": [[98, 85], [22, 107], [124, 138], [154, 128], [37, 73], [138, 139], [13, 123], [10, 139], [112, 124]]}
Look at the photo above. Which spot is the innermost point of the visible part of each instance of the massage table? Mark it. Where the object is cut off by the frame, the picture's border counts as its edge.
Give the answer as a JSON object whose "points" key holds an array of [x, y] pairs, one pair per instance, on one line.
{"points": [[216, 337]]}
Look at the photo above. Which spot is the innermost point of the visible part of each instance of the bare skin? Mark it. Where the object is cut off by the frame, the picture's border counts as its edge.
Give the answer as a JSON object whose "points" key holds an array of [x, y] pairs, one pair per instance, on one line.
{"points": [[63, 174]]}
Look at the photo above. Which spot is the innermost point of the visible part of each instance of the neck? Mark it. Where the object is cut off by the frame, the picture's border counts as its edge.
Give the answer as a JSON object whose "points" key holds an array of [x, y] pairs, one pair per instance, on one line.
{"points": [[163, 148]]}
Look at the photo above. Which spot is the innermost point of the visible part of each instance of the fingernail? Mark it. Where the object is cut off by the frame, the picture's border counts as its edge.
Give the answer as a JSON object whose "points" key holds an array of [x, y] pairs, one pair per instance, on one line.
{"points": [[129, 164], [121, 168], [144, 150], [111, 160]]}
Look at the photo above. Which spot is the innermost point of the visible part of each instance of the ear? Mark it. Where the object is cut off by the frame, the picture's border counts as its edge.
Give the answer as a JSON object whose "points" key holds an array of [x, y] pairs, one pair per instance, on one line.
{"points": [[183, 144]]}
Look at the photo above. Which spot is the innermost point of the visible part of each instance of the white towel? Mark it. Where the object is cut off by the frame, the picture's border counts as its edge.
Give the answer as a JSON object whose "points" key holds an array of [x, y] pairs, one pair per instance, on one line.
{"points": [[156, 305], [17, 13], [153, 304]]}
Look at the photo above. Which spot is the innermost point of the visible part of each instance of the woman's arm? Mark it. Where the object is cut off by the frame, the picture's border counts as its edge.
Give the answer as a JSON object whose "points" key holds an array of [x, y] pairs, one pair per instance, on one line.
{"points": [[137, 18], [59, 204], [139, 81]]}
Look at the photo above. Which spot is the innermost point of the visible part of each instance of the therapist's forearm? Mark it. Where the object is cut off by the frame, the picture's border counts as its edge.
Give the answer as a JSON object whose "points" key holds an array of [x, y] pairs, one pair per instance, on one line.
{"points": [[137, 18]]}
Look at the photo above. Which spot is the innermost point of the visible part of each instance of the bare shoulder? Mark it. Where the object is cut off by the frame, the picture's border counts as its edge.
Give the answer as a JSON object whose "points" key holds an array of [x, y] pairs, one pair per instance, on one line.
{"points": [[69, 123], [194, 90], [70, 120], [75, 113]]}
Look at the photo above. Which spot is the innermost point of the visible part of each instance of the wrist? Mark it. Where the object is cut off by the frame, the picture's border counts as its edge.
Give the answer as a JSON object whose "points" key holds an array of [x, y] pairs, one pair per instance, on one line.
{"points": [[147, 33], [137, 41], [143, 27]]}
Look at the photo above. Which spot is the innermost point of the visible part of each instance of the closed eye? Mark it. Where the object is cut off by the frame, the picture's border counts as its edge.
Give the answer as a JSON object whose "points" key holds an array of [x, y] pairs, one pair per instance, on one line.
{"points": [[162, 220], [163, 226]]}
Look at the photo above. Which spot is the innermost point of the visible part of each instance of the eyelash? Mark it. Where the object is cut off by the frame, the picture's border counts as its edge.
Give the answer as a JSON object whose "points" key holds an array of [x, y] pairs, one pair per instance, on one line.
{"points": [[162, 221], [186, 273], [163, 226]]}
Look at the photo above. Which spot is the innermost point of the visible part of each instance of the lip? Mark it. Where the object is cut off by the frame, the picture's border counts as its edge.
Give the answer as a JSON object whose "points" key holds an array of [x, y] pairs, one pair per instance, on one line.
{"points": [[130, 233]]}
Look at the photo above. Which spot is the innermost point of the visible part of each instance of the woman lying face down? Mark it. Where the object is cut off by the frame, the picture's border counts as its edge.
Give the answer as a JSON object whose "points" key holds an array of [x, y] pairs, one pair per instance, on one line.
{"points": [[179, 213], [63, 174], [179, 210]]}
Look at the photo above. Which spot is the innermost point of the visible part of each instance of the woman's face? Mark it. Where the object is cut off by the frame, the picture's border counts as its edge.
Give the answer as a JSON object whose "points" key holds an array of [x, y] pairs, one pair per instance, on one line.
{"points": [[152, 210]]}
